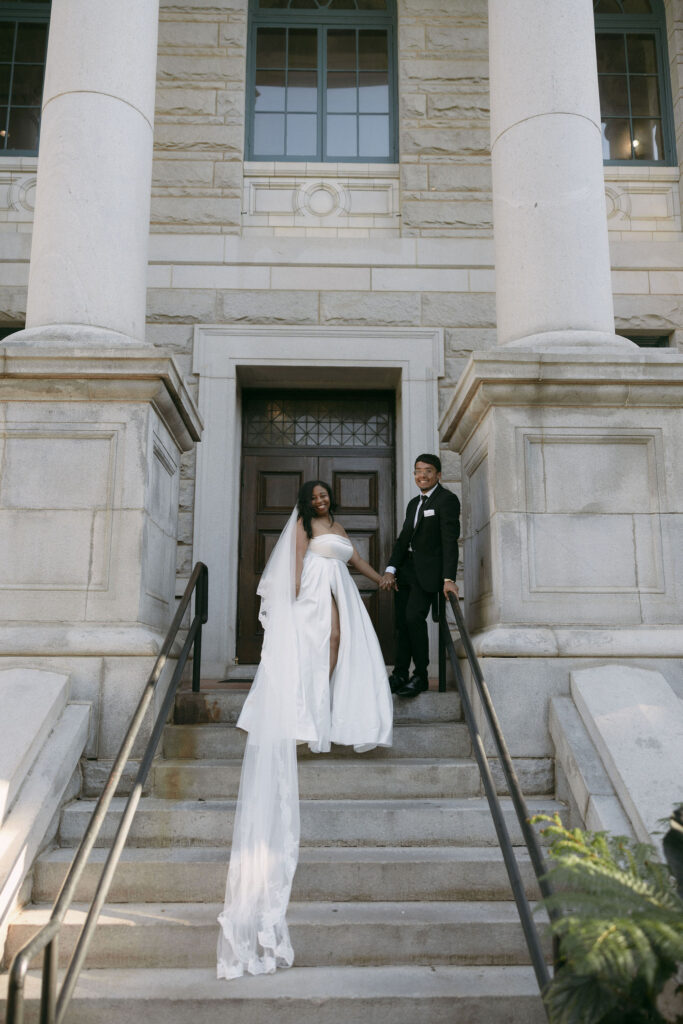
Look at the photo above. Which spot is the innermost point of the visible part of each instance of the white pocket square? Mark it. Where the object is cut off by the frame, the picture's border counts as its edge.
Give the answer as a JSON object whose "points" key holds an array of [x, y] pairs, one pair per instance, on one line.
{"points": [[429, 512]]}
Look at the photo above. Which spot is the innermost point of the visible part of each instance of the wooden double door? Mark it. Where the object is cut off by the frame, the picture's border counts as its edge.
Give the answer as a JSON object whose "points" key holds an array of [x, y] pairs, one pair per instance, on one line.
{"points": [[359, 470]]}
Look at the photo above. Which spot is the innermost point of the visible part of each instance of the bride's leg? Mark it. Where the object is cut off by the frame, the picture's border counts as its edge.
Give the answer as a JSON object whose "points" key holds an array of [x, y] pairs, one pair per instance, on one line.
{"points": [[334, 636]]}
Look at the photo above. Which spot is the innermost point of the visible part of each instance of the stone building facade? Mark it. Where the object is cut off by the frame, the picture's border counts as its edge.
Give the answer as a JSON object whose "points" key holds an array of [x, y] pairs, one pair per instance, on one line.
{"points": [[282, 276]]}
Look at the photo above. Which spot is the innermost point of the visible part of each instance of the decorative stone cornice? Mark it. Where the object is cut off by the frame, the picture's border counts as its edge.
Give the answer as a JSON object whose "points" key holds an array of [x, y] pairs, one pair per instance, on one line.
{"points": [[29, 370], [518, 378]]}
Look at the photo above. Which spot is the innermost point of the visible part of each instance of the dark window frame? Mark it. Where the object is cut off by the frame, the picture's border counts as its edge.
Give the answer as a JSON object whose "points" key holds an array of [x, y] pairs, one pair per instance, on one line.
{"points": [[322, 20], [651, 24], [22, 13]]}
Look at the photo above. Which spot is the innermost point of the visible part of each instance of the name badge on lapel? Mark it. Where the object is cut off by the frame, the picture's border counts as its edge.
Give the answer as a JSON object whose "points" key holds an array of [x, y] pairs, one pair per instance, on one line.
{"points": [[429, 512]]}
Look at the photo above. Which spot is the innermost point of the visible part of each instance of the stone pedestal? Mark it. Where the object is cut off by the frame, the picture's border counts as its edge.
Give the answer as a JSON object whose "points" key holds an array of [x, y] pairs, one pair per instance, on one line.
{"points": [[572, 521], [90, 444]]}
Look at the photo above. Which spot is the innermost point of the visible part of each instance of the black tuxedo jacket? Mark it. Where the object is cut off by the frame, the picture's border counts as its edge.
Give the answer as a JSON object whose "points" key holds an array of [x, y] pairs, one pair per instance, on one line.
{"points": [[434, 540]]}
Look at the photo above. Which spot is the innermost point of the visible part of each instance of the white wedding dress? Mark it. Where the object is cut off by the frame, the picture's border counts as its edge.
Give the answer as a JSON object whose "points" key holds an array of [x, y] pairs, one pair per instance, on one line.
{"points": [[294, 700]]}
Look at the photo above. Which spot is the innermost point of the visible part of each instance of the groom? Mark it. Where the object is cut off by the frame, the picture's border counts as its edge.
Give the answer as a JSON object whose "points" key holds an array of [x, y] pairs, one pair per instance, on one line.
{"points": [[424, 560]]}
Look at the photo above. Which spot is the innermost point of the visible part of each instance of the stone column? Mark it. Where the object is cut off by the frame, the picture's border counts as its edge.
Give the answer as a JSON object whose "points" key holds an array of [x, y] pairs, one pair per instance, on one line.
{"points": [[94, 422], [553, 287], [90, 235]]}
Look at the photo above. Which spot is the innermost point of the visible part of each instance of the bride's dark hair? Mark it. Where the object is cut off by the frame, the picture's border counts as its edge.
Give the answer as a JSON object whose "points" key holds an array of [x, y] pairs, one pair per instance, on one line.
{"points": [[304, 504]]}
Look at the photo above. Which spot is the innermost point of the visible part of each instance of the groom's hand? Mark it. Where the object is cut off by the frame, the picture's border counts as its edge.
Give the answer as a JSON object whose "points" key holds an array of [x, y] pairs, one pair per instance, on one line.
{"points": [[388, 581], [449, 587]]}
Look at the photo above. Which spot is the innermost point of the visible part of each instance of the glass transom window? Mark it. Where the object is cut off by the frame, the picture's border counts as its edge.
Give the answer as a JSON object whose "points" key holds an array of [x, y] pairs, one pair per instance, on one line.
{"points": [[321, 81], [23, 45], [635, 103]]}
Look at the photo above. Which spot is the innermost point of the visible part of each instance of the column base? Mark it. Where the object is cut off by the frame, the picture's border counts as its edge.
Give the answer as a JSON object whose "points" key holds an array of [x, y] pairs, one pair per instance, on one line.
{"points": [[572, 341], [75, 336]]}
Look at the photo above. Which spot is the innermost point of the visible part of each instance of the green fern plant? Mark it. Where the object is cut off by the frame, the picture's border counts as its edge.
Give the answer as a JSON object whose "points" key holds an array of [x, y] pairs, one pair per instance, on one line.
{"points": [[619, 921]]}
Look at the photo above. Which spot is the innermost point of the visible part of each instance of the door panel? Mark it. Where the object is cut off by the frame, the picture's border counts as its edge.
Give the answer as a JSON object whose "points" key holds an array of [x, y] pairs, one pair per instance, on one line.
{"points": [[269, 491], [363, 489]]}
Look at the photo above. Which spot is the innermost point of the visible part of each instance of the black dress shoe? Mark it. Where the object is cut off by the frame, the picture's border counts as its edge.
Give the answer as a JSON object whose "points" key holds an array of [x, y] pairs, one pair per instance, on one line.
{"points": [[417, 684], [398, 681]]}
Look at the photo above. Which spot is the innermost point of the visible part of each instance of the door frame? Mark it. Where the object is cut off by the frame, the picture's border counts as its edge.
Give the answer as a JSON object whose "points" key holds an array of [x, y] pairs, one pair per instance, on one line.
{"points": [[406, 360]]}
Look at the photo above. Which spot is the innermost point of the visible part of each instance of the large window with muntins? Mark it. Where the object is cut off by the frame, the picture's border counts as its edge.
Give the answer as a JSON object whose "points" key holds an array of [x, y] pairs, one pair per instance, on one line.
{"points": [[635, 98], [321, 80], [23, 46]]}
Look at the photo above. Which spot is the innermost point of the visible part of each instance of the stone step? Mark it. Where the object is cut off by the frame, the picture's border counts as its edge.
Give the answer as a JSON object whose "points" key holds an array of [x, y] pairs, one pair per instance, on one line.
{"points": [[305, 995], [328, 778], [323, 934], [197, 874], [224, 706], [435, 739], [350, 823]]}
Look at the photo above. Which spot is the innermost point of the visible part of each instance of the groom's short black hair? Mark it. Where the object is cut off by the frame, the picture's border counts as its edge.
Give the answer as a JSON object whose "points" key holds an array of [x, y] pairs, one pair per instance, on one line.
{"points": [[431, 460]]}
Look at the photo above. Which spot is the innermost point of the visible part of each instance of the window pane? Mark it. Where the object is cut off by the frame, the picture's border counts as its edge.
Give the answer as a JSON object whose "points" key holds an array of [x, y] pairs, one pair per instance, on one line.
{"points": [[372, 5], [341, 49], [645, 95], [270, 48], [4, 83], [372, 51], [3, 127], [611, 53], [637, 7], [301, 134], [24, 123], [373, 93], [302, 90], [31, 40], [341, 135], [303, 4], [341, 91], [27, 88], [613, 95], [342, 5], [616, 139], [647, 139], [374, 135], [607, 7], [642, 55], [269, 134], [303, 48], [6, 39], [270, 4], [269, 93]]}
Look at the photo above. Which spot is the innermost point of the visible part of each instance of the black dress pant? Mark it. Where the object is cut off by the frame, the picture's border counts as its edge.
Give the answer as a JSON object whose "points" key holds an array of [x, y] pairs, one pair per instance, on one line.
{"points": [[411, 605]]}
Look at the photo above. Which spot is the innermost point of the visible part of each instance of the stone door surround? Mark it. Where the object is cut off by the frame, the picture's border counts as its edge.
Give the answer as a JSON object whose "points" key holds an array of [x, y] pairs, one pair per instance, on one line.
{"points": [[226, 358]]}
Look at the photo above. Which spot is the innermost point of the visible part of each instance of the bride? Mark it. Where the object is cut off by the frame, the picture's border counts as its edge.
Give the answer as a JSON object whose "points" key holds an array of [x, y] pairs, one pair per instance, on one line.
{"points": [[321, 680]]}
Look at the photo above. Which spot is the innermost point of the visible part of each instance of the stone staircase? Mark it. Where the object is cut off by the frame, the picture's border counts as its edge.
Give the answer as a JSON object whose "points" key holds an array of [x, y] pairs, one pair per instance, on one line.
{"points": [[401, 909]]}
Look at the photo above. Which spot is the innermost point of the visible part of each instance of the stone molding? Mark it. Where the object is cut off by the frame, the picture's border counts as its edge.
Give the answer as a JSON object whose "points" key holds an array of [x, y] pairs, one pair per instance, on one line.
{"points": [[643, 198], [509, 377], [302, 199], [102, 375]]}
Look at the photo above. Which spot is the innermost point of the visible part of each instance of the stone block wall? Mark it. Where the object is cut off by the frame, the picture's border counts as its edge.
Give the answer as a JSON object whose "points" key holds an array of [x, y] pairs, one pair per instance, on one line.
{"points": [[199, 127], [444, 118]]}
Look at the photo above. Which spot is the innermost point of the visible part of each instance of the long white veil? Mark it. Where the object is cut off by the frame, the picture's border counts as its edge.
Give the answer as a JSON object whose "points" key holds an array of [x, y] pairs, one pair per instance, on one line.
{"points": [[265, 846]]}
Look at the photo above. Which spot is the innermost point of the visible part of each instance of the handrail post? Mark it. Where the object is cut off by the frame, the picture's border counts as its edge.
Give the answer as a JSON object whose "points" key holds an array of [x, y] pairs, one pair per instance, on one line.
{"points": [[201, 612], [442, 643], [48, 988]]}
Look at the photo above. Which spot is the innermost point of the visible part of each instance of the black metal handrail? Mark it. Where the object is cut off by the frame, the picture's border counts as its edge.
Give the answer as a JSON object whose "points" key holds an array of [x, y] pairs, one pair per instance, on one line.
{"points": [[53, 1005], [530, 837]]}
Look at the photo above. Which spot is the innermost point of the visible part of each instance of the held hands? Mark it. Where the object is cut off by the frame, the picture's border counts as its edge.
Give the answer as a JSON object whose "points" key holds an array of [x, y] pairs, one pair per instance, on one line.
{"points": [[388, 581]]}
